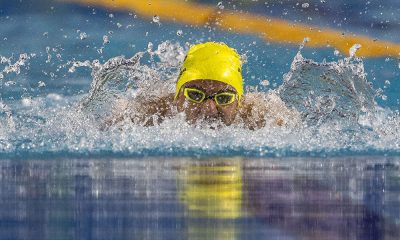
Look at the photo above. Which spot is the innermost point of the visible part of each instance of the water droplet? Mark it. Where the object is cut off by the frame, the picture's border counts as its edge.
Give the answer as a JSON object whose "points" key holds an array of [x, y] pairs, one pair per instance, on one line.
{"points": [[353, 50], [4, 60], [83, 35], [111, 15], [46, 34], [265, 83], [179, 32], [336, 53], [156, 19], [119, 25], [387, 84], [305, 5], [149, 46], [106, 40], [23, 56], [9, 83], [384, 97], [220, 5], [305, 41], [41, 84]]}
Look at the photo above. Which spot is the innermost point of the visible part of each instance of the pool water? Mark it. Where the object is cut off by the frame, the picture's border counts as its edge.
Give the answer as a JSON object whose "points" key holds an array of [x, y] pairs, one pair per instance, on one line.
{"points": [[190, 198], [63, 68]]}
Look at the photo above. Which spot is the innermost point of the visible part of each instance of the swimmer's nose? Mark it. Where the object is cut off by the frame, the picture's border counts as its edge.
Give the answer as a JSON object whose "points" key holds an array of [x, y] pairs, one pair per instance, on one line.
{"points": [[209, 108]]}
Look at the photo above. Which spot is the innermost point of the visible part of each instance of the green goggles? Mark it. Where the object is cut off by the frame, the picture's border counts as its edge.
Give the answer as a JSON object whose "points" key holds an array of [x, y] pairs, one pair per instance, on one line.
{"points": [[198, 96]]}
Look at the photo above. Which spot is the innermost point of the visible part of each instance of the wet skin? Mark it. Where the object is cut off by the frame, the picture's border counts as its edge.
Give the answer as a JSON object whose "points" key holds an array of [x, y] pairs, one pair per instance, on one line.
{"points": [[207, 110], [252, 112]]}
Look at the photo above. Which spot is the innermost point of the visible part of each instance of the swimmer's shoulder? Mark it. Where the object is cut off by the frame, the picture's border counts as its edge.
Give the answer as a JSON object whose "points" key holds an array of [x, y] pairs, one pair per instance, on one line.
{"points": [[258, 108], [158, 105], [252, 110], [151, 110]]}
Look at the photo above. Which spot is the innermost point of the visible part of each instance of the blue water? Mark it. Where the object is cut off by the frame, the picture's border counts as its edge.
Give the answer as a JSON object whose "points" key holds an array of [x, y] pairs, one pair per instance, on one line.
{"points": [[186, 198], [333, 176]]}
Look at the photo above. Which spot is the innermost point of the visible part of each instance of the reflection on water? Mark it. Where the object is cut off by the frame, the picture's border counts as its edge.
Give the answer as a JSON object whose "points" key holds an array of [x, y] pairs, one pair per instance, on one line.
{"points": [[211, 192], [182, 198]]}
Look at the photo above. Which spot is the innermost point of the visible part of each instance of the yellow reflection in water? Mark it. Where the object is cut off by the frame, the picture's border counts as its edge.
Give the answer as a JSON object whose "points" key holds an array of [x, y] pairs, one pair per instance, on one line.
{"points": [[211, 192]]}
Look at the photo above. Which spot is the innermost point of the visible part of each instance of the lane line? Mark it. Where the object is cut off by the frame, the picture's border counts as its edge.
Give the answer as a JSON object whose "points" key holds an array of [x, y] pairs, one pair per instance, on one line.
{"points": [[270, 29]]}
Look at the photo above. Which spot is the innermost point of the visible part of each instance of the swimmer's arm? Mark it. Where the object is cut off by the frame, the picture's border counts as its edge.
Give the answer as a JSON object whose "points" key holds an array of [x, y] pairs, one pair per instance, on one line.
{"points": [[146, 112], [152, 111]]}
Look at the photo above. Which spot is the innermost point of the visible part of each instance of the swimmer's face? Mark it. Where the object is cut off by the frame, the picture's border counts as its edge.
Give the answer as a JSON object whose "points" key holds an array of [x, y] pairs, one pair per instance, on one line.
{"points": [[207, 110]]}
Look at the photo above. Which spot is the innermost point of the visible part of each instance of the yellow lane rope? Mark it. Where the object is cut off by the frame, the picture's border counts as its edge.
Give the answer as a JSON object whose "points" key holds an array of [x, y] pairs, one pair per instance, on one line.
{"points": [[272, 30]]}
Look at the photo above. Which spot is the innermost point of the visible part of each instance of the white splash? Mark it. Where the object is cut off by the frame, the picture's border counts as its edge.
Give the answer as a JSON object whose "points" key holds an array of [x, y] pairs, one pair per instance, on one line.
{"points": [[339, 114], [353, 50], [13, 67]]}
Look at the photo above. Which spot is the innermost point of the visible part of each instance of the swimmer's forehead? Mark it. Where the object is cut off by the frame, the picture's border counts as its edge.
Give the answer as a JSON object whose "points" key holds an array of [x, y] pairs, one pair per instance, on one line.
{"points": [[210, 86]]}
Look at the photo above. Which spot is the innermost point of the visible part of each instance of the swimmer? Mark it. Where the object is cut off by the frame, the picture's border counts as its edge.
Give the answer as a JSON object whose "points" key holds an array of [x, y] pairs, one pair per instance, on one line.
{"points": [[209, 89]]}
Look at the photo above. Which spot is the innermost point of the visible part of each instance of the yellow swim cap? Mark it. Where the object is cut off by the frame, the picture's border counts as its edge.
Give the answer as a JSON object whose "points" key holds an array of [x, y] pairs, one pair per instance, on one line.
{"points": [[212, 61]]}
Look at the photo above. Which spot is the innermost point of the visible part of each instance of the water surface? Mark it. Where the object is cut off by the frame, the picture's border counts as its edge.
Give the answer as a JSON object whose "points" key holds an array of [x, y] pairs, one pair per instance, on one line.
{"points": [[208, 198]]}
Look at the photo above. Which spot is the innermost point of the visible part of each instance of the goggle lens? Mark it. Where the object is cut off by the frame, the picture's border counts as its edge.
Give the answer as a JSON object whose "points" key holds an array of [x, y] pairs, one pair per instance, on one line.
{"points": [[198, 96], [224, 98], [194, 95]]}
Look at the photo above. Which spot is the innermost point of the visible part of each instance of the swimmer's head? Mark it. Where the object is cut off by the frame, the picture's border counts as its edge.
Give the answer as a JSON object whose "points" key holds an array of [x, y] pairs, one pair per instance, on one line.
{"points": [[212, 61]]}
